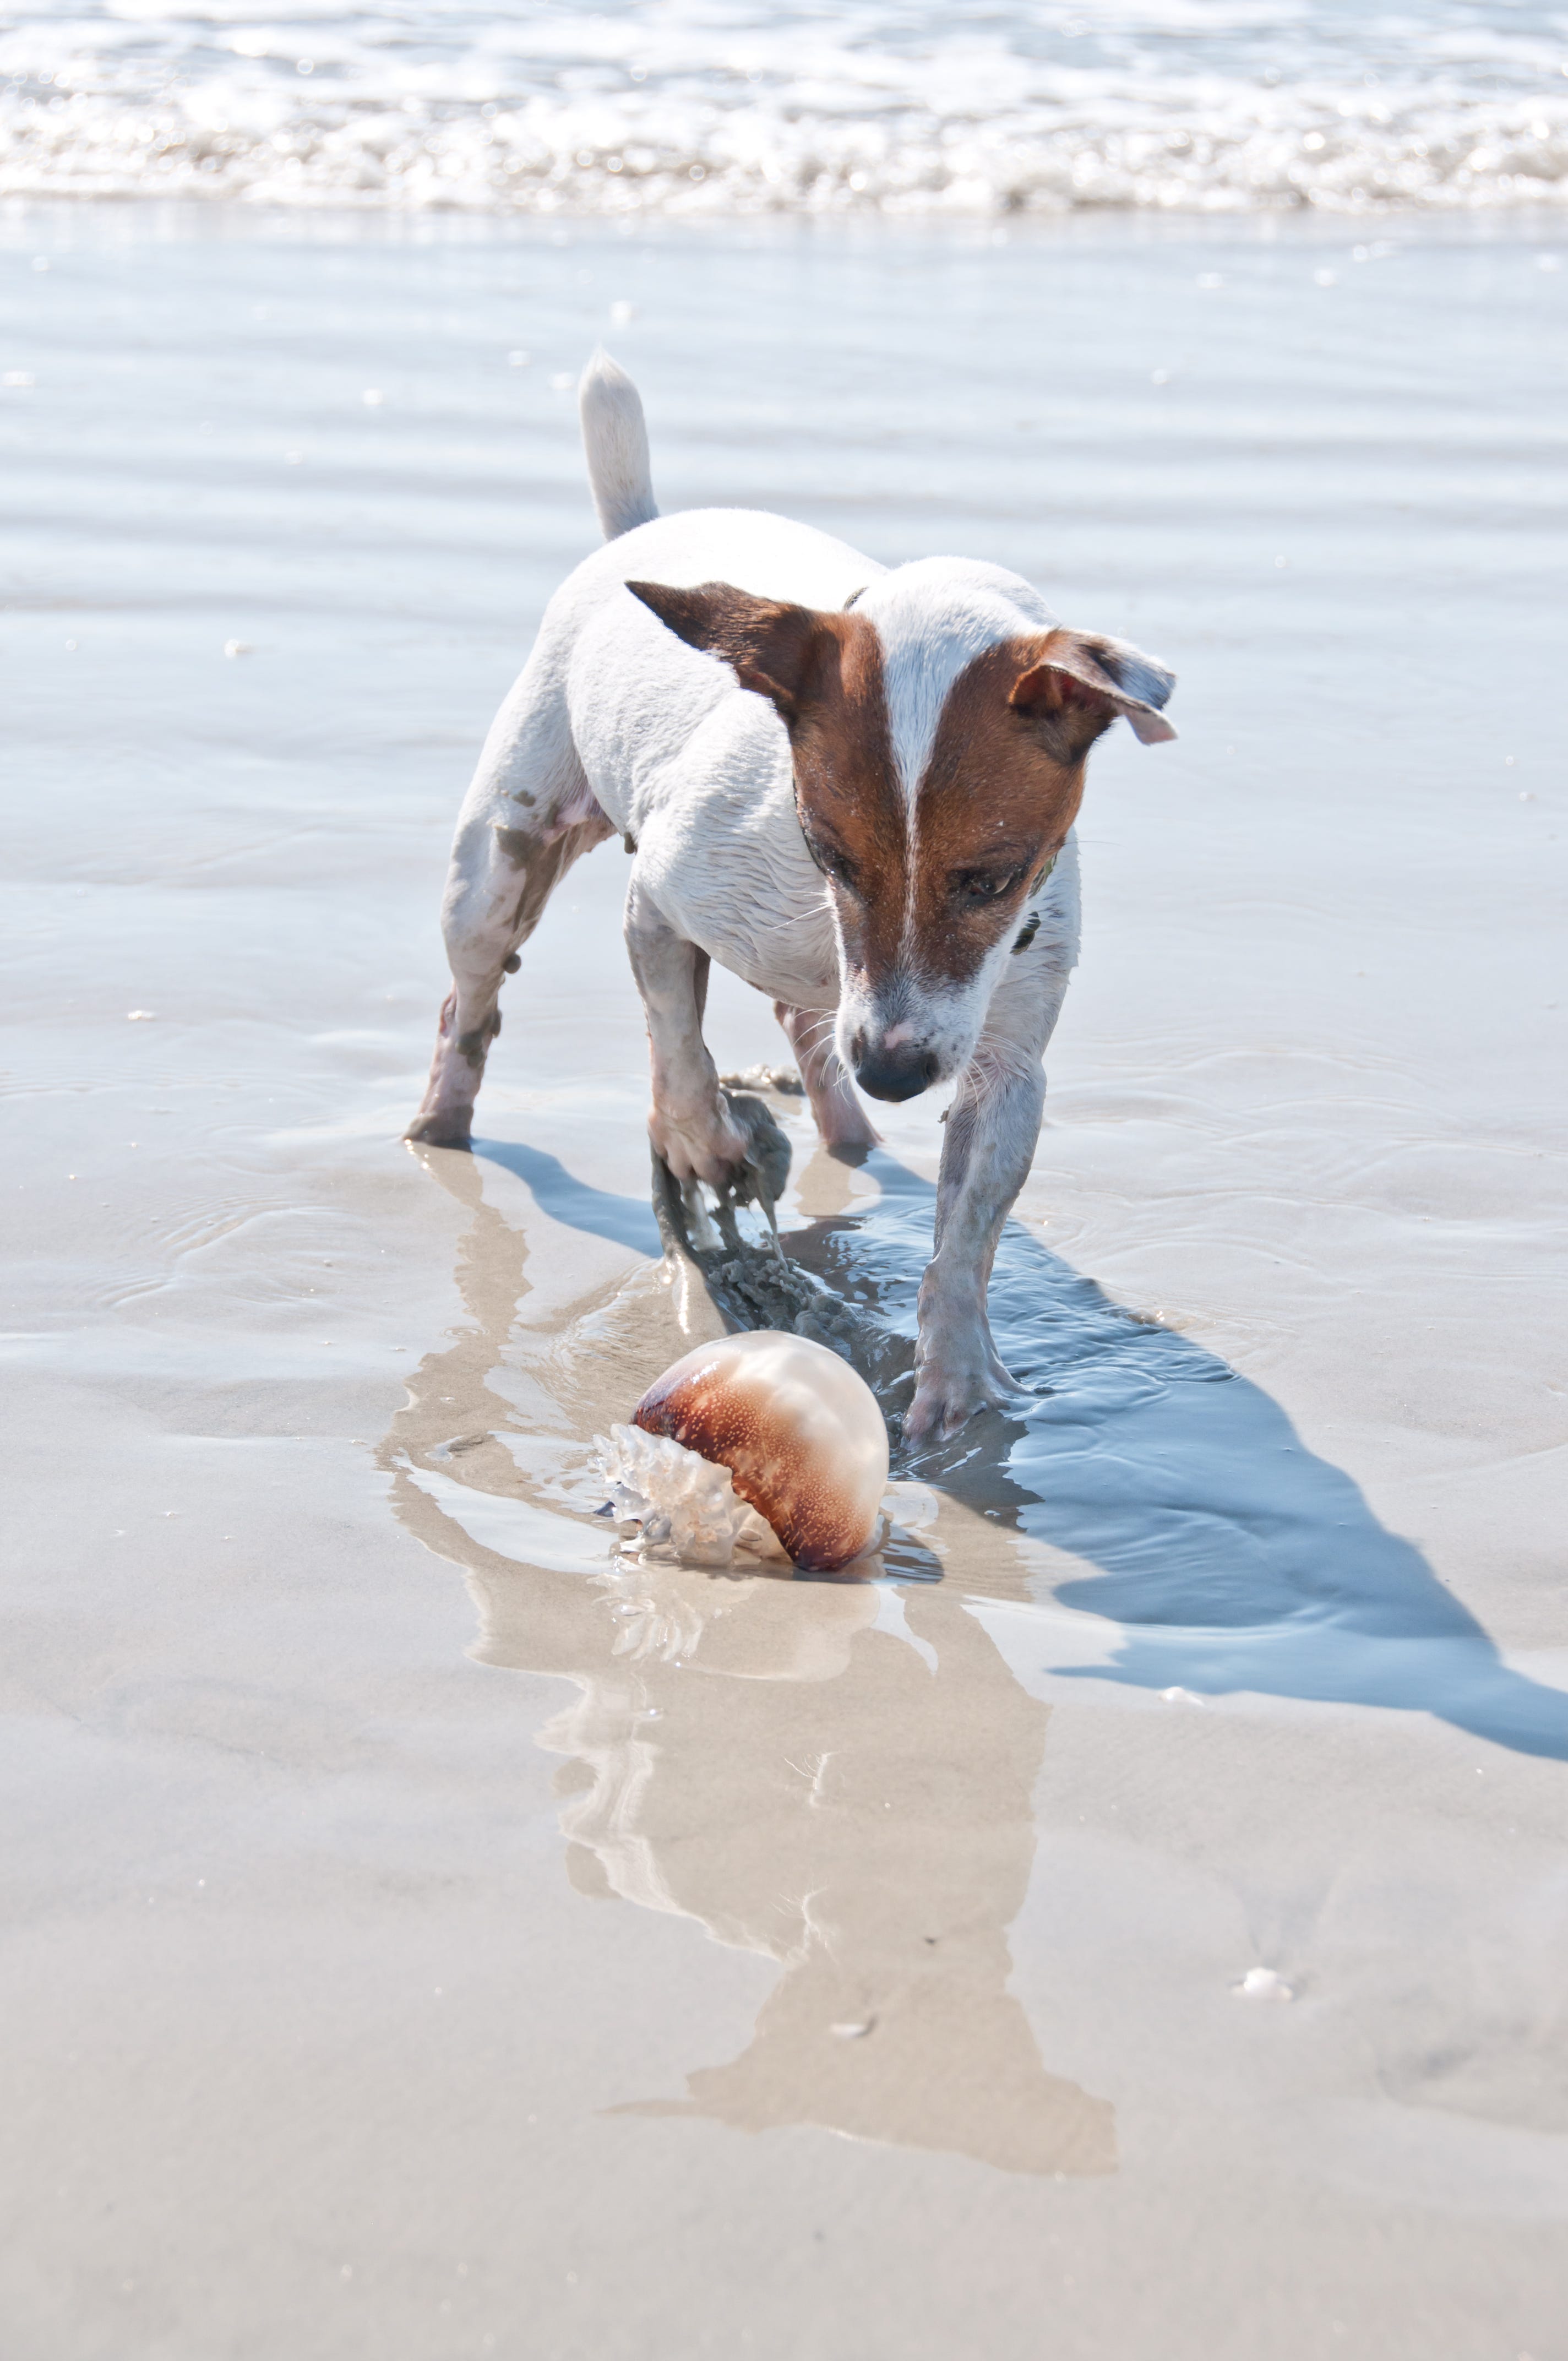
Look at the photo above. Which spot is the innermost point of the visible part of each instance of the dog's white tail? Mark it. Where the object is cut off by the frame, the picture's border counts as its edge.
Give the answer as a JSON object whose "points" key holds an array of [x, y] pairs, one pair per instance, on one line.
{"points": [[616, 441]]}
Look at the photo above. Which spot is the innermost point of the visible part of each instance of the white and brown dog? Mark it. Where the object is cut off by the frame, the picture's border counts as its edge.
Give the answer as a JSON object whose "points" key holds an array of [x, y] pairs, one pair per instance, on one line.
{"points": [[853, 786]]}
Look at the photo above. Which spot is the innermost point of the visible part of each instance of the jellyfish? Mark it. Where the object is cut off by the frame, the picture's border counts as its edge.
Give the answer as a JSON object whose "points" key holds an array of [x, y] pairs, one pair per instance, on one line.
{"points": [[763, 1443]]}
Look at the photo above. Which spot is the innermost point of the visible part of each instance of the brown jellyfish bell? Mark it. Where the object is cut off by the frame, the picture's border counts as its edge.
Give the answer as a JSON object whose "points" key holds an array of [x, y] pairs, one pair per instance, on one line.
{"points": [[763, 1443]]}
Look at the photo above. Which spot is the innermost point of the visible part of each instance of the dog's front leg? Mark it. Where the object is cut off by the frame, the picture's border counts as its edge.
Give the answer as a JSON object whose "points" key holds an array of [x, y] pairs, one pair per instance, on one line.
{"points": [[993, 1127], [690, 1124], [842, 1122]]}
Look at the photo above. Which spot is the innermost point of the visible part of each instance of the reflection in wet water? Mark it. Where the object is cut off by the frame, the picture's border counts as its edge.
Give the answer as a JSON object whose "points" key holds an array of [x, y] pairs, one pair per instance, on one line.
{"points": [[838, 1774], [769, 1758]]}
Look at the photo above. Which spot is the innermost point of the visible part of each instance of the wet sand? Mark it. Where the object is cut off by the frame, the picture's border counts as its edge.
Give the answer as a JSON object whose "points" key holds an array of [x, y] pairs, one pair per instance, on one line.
{"points": [[427, 1936]]}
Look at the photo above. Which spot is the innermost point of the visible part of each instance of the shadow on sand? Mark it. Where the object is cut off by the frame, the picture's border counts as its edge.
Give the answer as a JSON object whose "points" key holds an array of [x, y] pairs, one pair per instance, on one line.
{"points": [[1232, 1557]]}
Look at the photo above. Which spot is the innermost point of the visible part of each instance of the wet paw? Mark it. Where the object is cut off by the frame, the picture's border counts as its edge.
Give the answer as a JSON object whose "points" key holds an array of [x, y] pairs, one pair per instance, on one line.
{"points": [[947, 1397], [737, 1149], [846, 1130], [438, 1130], [710, 1150], [754, 1172]]}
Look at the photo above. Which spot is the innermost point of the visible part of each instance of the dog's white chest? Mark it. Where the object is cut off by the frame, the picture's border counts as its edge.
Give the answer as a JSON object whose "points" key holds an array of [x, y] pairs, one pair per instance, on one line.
{"points": [[731, 873], [696, 773]]}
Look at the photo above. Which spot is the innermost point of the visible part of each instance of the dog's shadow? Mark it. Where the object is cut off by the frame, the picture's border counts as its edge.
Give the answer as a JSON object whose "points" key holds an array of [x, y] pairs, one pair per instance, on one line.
{"points": [[1230, 1556]]}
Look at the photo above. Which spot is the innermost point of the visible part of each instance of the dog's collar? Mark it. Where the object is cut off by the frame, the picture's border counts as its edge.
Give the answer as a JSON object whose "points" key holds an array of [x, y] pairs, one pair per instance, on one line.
{"points": [[1032, 923]]}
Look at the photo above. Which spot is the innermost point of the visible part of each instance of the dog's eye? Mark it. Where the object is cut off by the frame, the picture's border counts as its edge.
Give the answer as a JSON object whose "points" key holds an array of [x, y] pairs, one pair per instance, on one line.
{"points": [[832, 862], [985, 884]]}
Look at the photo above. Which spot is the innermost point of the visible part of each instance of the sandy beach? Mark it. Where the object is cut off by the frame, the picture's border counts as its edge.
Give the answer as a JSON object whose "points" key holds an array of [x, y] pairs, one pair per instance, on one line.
{"points": [[1130, 1921]]}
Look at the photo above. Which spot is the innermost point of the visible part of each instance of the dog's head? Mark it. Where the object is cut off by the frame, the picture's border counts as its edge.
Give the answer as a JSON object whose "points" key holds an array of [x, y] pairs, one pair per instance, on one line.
{"points": [[940, 728]]}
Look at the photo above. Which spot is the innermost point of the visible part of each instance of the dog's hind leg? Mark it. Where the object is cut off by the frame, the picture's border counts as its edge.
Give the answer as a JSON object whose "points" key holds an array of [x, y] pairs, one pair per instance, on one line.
{"points": [[529, 815], [842, 1120]]}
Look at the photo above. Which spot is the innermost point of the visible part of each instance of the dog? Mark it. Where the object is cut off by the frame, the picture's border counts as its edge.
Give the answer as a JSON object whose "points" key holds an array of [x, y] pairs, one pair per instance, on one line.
{"points": [[853, 786]]}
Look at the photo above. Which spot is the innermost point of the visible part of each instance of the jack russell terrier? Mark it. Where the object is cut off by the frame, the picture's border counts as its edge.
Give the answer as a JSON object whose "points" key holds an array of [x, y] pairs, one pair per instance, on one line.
{"points": [[853, 786]]}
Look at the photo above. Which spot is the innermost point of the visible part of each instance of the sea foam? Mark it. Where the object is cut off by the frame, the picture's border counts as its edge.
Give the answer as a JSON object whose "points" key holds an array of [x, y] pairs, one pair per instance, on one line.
{"points": [[711, 106]]}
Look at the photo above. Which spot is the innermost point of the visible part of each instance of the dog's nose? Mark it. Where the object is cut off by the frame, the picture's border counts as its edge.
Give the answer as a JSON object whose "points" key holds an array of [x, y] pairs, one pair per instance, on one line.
{"points": [[901, 1073]]}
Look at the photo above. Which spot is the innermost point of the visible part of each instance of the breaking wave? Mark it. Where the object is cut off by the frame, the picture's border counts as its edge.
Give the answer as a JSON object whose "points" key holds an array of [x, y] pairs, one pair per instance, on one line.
{"points": [[728, 106]]}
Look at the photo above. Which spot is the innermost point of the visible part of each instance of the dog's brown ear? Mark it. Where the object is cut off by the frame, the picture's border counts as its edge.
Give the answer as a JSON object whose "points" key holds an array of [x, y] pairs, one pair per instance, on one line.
{"points": [[768, 646], [1079, 682]]}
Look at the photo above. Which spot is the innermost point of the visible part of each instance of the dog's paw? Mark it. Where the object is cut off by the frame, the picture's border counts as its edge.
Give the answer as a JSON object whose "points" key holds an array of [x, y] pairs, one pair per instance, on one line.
{"points": [[846, 1130], [948, 1393], [733, 1146], [711, 1146], [440, 1129]]}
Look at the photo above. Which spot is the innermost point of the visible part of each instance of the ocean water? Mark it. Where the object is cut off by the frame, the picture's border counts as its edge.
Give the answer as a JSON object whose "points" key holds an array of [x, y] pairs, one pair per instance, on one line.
{"points": [[683, 107], [1251, 1649]]}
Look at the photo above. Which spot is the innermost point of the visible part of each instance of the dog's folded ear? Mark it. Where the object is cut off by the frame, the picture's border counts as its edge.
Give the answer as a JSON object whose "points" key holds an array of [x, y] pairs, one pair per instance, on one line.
{"points": [[768, 644], [1079, 682]]}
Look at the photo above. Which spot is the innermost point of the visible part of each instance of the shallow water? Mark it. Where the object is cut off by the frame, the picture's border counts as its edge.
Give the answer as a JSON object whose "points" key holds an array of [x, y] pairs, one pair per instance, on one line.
{"points": [[360, 1982]]}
